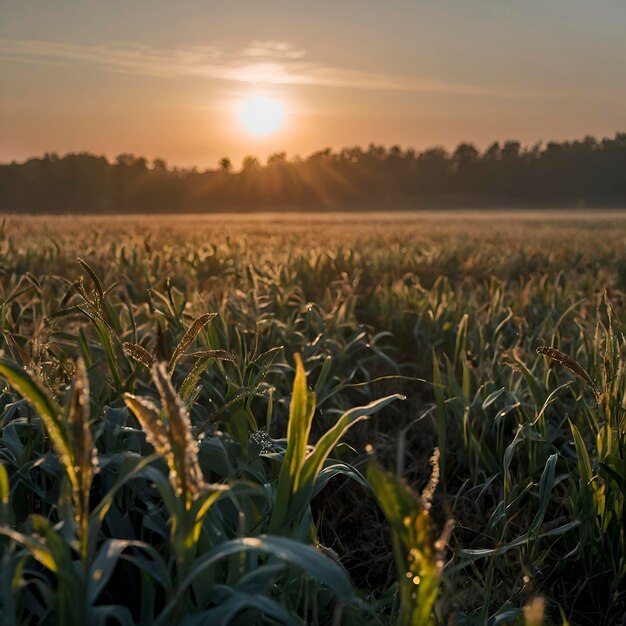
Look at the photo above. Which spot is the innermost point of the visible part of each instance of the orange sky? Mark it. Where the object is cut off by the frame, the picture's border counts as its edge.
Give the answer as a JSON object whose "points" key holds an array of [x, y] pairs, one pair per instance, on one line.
{"points": [[164, 79]]}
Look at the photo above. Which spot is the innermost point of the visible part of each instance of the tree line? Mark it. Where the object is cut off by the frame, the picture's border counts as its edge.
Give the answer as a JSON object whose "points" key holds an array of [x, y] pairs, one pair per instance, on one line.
{"points": [[587, 172]]}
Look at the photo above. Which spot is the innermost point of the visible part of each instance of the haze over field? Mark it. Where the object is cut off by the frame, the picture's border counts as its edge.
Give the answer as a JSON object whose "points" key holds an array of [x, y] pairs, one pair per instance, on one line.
{"points": [[178, 80]]}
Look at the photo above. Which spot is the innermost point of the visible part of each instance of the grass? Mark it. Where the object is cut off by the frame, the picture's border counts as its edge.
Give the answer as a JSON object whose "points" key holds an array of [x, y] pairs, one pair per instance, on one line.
{"points": [[346, 420]]}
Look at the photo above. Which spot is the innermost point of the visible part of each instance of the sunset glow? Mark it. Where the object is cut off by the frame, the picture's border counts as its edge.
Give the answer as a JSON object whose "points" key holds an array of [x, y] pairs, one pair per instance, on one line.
{"points": [[190, 89]]}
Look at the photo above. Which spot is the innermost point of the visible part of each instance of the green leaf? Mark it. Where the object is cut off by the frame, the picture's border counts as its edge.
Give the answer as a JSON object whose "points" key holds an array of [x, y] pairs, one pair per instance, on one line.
{"points": [[5, 492], [417, 562], [522, 540], [238, 601], [103, 565], [301, 412], [49, 411], [315, 460], [35, 546], [105, 336], [131, 468], [442, 437], [296, 554], [492, 397], [529, 378], [584, 464], [545, 488]]}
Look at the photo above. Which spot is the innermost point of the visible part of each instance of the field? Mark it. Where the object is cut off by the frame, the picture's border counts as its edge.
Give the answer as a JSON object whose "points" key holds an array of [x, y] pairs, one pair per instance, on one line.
{"points": [[331, 419]]}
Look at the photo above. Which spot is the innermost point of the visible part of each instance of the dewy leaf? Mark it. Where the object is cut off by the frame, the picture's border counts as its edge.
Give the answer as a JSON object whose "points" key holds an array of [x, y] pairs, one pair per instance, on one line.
{"points": [[266, 358], [138, 353], [47, 409], [203, 359], [189, 336], [96, 282]]}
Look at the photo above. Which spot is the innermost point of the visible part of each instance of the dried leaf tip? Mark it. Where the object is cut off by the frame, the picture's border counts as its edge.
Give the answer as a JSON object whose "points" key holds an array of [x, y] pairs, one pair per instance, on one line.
{"points": [[79, 428], [573, 366], [429, 491]]}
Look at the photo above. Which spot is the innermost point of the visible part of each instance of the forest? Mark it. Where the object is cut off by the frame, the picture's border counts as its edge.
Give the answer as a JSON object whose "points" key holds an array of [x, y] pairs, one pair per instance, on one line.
{"points": [[583, 173]]}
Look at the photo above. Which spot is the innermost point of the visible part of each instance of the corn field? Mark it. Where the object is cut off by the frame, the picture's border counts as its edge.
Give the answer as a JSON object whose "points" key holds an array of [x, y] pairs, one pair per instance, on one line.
{"points": [[417, 420]]}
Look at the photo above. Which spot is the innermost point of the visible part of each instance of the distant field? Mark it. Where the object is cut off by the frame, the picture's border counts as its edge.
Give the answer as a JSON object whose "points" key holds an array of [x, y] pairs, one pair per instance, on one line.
{"points": [[423, 225], [447, 308], [335, 217]]}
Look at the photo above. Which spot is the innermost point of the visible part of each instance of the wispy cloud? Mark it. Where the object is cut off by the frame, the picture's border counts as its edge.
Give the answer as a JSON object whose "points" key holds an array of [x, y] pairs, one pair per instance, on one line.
{"points": [[140, 59], [273, 50], [261, 62]]}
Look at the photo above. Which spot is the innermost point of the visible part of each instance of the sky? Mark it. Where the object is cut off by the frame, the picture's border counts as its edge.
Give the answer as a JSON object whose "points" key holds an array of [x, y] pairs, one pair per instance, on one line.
{"points": [[167, 79]]}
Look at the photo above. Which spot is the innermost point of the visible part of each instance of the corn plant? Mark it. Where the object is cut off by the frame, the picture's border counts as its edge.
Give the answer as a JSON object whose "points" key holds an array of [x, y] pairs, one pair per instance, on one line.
{"points": [[599, 489], [217, 488], [301, 466], [79, 578], [417, 552]]}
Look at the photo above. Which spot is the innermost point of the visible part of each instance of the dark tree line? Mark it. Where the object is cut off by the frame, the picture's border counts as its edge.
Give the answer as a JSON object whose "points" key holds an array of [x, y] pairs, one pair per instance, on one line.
{"points": [[590, 172]]}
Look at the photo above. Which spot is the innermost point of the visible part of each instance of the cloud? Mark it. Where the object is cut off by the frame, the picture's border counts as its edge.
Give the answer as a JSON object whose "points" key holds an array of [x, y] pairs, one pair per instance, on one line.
{"points": [[273, 50], [134, 58], [267, 62]]}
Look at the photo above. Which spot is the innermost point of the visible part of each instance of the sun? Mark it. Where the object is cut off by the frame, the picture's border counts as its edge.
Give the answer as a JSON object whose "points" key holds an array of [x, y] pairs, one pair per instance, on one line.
{"points": [[261, 115]]}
